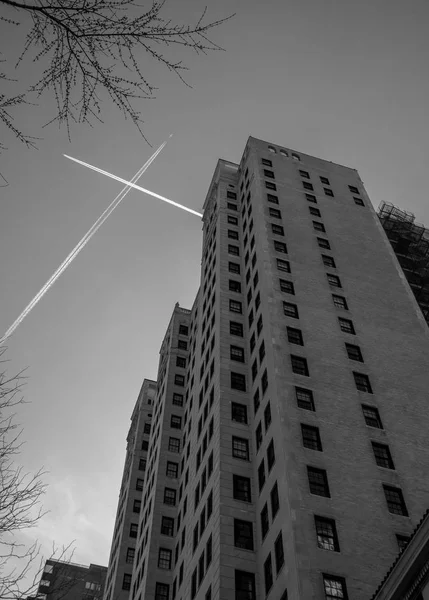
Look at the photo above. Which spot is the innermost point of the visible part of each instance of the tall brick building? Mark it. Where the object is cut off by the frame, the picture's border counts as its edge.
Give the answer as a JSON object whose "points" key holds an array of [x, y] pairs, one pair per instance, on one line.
{"points": [[288, 453]]}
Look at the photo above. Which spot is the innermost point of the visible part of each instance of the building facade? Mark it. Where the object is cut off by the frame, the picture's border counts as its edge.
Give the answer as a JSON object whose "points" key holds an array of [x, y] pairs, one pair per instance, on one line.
{"points": [[70, 581], [287, 454]]}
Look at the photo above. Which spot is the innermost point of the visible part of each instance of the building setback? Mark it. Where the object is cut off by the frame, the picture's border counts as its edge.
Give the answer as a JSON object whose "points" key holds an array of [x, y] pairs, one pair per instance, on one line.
{"points": [[287, 454], [63, 580]]}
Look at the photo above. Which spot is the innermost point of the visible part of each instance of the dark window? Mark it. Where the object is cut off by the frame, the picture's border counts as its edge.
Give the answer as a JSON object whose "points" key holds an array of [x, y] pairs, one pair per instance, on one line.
{"points": [[382, 455], [402, 541], [371, 416], [170, 496], [142, 464], [340, 301], [328, 192], [276, 214], [307, 186], [354, 352], [265, 522], [346, 325], [179, 380], [238, 381], [256, 401], [258, 436], [176, 422], [243, 534], [315, 211], [275, 502], [164, 558], [273, 199], [270, 185], [139, 484], [126, 581], [359, 201], [234, 268], [280, 247], [232, 220], [167, 526], [146, 428], [236, 328], [294, 336], [286, 286], [201, 568], [194, 583], [242, 488], [259, 325], [318, 226], [174, 444], [172, 469], [353, 189], [304, 398], [245, 587], [328, 261], [234, 286], [137, 506], [283, 265], [178, 399], [311, 437], [209, 551], [290, 310], [266, 162], [236, 353], [277, 229], [311, 198], [305, 174], [231, 206], [318, 482], [195, 538], [240, 448], [268, 574], [299, 365], [231, 195], [130, 555], [267, 416], [395, 500], [264, 381], [333, 280], [183, 330], [180, 362], [335, 587], [133, 530], [271, 457], [234, 250], [261, 351], [323, 243], [326, 534], [235, 306], [261, 475], [279, 553], [324, 180], [362, 382], [239, 412], [145, 445], [268, 173], [232, 234]]}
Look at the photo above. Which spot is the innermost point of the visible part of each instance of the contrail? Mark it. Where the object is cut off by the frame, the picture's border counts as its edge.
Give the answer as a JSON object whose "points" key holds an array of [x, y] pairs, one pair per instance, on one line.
{"points": [[81, 244], [137, 187]]}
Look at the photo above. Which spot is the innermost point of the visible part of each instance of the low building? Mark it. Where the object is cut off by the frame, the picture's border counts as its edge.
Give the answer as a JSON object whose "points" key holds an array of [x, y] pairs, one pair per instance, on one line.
{"points": [[70, 581]]}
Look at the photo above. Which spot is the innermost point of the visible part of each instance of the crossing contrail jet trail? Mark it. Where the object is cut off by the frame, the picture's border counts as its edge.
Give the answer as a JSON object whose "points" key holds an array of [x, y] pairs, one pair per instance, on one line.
{"points": [[137, 187], [88, 235]]}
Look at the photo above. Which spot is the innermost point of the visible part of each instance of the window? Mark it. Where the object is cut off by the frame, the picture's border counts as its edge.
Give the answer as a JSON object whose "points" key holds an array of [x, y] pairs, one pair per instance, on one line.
{"points": [[133, 530], [231, 206], [245, 588], [265, 522], [268, 574], [311, 198], [261, 475], [238, 381], [280, 247], [256, 401], [236, 353], [234, 268], [48, 568], [277, 229], [294, 336], [283, 265], [146, 428], [307, 186], [162, 591], [231, 195], [382, 455], [362, 382], [324, 180], [234, 286], [323, 243], [295, 156], [318, 482], [240, 448], [176, 422], [283, 152], [267, 416], [333, 280], [258, 436], [167, 526], [172, 469], [259, 326], [271, 457], [270, 185], [275, 502], [178, 399], [232, 220], [371, 416], [179, 380], [299, 365], [195, 538], [261, 351], [402, 541], [145, 445], [243, 534], [335, 587], [290, 310], [328, 192], [395, 500], [304, 398], [232, 234], [315, 211], [234, 250], [311, 437], [137, 504], [239, 412], [180, 362], [358, 201], [340, 302], [164, 558], [174, 444], [326, 534], [170, 496], [279, 553], [273, 199], [286, 287], [328, 261], [346, 326], [266, 162], [183, 330], [274, 213], [139, 484], [235, 306], [304, 174], [353, 189], [268, 173], [126, 582], [201, 568], [130, 555], [47, 583], [209, 552], [236, 328]]}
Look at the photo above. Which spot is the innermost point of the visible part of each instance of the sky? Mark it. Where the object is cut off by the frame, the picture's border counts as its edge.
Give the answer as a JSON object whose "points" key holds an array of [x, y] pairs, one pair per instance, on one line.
{"points": [[343, 80]]}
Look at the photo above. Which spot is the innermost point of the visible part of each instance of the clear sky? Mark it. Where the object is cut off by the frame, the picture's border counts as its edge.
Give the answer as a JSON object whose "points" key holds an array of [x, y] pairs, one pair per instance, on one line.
{"points": [[344, 80]]}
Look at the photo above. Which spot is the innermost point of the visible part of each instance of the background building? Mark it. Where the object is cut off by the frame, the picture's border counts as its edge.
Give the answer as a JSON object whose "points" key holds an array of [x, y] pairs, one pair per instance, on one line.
{"points": [[288, 454], [70, 581]]}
